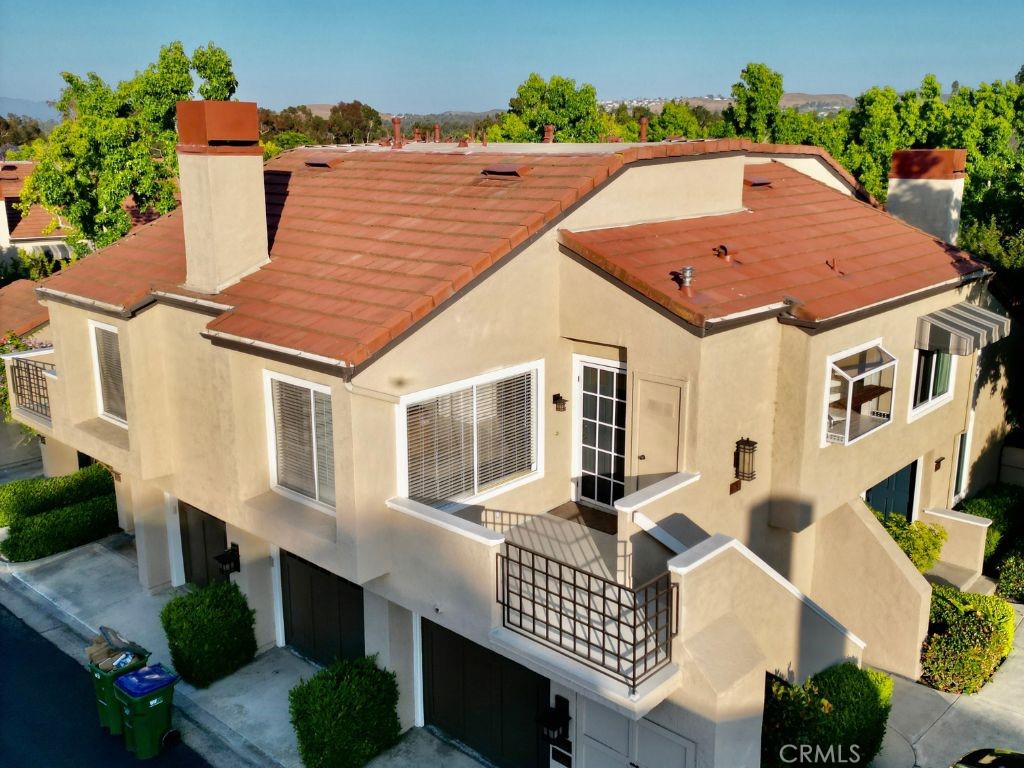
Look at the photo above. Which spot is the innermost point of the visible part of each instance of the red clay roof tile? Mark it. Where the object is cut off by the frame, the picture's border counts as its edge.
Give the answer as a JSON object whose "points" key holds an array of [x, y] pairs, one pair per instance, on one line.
{"points": [[780, 248], [20, 310]]}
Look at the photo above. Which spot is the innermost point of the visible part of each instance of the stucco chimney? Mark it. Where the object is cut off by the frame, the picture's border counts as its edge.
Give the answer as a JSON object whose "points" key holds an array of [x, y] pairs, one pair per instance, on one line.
{"points": [[926, 188], [220, 166]]}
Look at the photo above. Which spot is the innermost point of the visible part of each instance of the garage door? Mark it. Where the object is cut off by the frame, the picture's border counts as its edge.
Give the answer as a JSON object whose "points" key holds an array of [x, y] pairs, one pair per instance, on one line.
{"points": [[323, 613], [203, 537], [484, 700], [611, 740]]}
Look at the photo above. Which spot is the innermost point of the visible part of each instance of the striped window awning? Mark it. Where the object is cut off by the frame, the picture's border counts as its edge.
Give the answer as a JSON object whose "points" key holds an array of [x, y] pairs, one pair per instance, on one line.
{"points": [[961, 329]]}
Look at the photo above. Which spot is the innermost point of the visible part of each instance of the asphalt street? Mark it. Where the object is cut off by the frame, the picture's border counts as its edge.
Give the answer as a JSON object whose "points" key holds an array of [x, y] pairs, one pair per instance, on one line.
{"points": [[48, 712]]}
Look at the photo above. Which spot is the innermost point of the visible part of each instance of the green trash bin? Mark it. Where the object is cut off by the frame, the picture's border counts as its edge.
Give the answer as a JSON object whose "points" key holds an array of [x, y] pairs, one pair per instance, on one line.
{"points": [[103, 682], [146, 697]]}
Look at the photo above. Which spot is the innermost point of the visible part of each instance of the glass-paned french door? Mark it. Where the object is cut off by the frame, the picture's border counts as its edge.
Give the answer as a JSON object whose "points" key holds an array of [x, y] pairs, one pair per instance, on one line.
{"points": [[602, 433]]}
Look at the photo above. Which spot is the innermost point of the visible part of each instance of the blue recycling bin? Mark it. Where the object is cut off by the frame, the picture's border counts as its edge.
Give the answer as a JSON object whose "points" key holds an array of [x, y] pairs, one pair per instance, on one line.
{"points": [[146, 697]]}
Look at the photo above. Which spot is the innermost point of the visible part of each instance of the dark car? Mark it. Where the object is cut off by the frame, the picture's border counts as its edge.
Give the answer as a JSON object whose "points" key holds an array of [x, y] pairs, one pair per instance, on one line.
{"points": [[991, 758]]}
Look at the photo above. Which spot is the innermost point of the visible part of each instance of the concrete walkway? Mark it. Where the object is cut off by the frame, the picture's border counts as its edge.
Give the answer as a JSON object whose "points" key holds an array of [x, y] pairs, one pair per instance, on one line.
{"points": [[241, 720], [932, 729]]}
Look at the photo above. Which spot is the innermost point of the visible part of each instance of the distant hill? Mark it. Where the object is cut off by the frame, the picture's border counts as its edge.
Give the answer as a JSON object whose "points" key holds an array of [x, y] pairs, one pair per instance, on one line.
{"points": [[451, 116], [804, 102], [40, 110]]}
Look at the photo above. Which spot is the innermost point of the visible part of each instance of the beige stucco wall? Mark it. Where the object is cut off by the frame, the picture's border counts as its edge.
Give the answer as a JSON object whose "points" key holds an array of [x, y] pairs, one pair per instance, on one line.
{"points": [[929, 204]]}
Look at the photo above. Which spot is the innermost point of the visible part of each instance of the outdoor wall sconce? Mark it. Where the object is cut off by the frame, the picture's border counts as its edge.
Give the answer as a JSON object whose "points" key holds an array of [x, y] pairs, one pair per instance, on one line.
{"points": [[228, 560], [559, 402], [743, 459], [554, 723], [938, 463]]}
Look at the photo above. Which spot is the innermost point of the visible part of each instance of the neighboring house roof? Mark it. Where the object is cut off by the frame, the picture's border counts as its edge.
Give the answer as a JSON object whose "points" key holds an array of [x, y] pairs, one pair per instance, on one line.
{"points": [[20, 310], [35, 224], [799, 243], [363, 249]]}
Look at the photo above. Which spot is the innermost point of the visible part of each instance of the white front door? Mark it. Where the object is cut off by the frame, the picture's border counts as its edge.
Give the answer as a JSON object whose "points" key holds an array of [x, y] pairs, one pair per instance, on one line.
{"points": [[610, 740], [600, 414]]}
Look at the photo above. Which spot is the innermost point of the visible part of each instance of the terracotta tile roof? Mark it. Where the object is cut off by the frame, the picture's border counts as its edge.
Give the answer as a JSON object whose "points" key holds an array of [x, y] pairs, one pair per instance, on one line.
{"points": [[21, 227], [363, 250], [799, 240], [20, 310]]}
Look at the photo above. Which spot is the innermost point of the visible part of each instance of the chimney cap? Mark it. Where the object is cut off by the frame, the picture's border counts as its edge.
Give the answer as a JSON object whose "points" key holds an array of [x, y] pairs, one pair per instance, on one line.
{"points": [[218, 123], [938, 164]]}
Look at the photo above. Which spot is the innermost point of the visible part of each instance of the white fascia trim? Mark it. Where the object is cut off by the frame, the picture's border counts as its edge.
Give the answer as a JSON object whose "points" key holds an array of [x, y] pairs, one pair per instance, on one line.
{"points": [[446, 520], [639, 499], [106, 306], [27, 353], [719, 544], [193, 300], [746, 313], [275, 348], [961, 517]]}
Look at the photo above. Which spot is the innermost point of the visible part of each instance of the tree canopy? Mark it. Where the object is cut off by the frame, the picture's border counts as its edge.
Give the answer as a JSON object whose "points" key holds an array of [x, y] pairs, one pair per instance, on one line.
{"points": [[538, 102], [116, 142], [755, 103]]}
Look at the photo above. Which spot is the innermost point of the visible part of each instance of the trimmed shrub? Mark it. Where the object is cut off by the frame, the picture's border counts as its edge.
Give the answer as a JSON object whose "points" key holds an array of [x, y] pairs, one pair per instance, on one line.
{"points": [[33, 496], [1010, 573], [843, 708], [58, 530], [969, 636], [921, 542], [346, 714], [210, 632], [1003, 504]]}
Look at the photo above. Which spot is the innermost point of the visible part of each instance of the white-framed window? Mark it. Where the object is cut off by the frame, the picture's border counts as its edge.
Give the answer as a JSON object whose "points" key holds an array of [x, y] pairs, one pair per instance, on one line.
{"points": [[108, 376], [858, 392], [934, 377], [471, 439], [300, 431]]}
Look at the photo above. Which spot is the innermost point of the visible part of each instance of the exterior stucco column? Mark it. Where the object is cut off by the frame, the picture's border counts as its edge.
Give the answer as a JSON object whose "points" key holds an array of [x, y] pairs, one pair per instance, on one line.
{"points": [[388, 633], [58, 458], [255, 579], [144, 505]]}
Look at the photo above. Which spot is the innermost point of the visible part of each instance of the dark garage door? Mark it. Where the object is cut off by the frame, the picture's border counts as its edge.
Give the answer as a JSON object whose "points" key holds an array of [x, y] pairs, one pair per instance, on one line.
{"points": [[484, 700], [323, 613], [203, 537]]}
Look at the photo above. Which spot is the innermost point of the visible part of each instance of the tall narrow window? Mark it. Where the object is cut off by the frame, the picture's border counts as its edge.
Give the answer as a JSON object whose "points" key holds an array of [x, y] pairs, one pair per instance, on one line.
{"points": [[472, 439], [304, 440], [931, 379], [108, 373]]}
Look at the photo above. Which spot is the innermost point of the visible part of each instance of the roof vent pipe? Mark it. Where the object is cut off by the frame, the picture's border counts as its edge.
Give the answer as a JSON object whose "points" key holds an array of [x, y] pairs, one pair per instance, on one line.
{"points": [[686, 277], [549, 133], [643, 129], [396, 127]]}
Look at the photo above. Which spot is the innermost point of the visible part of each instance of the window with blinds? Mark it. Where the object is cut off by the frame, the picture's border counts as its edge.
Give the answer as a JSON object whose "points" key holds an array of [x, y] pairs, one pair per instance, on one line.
{"points": [[304, 440], [108, 366], [473, 439]]}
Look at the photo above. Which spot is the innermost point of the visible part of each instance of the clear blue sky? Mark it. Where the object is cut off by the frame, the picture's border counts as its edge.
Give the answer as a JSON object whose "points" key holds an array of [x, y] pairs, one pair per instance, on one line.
{"points": [[431, 56]]}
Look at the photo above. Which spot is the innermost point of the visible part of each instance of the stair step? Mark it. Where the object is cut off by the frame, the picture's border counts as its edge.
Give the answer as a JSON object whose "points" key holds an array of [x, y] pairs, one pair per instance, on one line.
{"points": [[982, 585]]}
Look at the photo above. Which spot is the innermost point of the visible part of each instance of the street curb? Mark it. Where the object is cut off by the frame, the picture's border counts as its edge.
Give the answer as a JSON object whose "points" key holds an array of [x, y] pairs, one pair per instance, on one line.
{"points": [[216, 741]]}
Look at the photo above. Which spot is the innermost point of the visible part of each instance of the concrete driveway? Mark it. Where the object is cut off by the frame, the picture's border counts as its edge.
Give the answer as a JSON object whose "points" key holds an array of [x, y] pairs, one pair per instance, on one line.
{"points": [[931, 729]]}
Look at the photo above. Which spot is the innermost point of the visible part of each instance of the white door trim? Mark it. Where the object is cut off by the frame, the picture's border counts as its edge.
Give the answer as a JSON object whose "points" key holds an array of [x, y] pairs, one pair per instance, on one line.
{"points": [[175, 553], [417, 670], [576, 469], [277, 586]]}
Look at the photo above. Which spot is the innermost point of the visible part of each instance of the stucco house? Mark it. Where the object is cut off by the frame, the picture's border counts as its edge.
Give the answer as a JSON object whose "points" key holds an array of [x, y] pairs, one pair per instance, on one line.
{"points": [[576, 438], [31, 231]]}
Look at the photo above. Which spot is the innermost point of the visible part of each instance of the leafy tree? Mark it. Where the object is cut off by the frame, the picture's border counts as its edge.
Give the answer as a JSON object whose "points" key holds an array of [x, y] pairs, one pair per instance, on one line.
{"points": [[573, 111], [755, 102], [116, 142], [676, 119], [291, 140], [795, 127], [213, 65], [29, 265], [17, 130], [352, 122], [1019, 79]]}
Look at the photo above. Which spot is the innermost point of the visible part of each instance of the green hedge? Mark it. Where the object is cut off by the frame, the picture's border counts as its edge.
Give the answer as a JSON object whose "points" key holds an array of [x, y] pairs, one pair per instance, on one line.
{"points": [[1003, 504], [25, 498], [345, 714], [969, 636], [1010, 576], [843, 708], [921, 542], [210, 632], [60, 529]]}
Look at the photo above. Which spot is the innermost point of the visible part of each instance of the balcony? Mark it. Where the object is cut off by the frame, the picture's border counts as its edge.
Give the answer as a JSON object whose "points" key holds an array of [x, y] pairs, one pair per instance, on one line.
{"points": [[28, 378], [624, 633]]}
